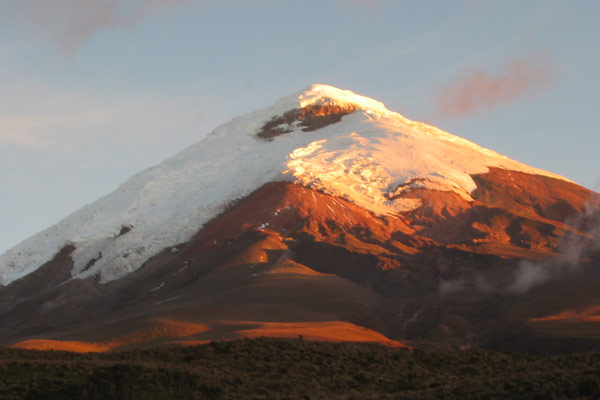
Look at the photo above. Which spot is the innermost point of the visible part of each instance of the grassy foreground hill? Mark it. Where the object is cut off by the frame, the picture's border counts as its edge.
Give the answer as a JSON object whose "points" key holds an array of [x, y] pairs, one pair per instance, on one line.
{"points": [[296, 369]]}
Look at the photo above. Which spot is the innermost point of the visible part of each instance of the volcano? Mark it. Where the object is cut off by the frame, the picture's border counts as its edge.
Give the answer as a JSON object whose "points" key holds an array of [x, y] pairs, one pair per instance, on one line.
{"points": [[326, 217]]}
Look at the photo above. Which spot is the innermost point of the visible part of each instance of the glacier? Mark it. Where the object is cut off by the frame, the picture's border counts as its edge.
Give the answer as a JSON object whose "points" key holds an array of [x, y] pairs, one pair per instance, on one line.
{"points": [[367, 157]]}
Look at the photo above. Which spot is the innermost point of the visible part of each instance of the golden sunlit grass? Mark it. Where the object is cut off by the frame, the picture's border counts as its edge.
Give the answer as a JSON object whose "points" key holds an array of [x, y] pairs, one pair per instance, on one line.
{"points": [[575, 323], [159, 329], [330, 331], [191, 333], [590, 314]]}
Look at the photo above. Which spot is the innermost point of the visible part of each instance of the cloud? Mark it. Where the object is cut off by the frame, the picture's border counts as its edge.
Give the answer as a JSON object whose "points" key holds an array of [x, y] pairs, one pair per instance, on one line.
{"points": [[451, 286], [572, 249], [71, 23], [478, 89], [530, 274], [471, 283], [11, 136], [29, 111], [577, 245]]}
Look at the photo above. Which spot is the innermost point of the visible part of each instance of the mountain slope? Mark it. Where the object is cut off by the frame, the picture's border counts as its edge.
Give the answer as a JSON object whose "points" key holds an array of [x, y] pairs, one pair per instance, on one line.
{"points": [[288, 258], [326, 216], [371, 156]]}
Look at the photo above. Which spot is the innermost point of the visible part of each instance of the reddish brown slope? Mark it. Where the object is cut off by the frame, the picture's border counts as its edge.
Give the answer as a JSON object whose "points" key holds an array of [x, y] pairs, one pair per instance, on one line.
{"points": [[514, 214], [287, 260], [237, 277]]}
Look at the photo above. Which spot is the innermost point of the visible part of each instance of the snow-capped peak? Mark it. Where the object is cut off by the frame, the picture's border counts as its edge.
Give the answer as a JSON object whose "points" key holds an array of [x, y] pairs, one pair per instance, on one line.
{"points": [[319, 95], [326, 138]]}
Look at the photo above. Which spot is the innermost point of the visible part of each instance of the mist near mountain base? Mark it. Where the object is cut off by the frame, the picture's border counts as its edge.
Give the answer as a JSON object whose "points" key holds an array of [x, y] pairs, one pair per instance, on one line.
{"points": [[473, 283], [576, 245], [572, 250]]}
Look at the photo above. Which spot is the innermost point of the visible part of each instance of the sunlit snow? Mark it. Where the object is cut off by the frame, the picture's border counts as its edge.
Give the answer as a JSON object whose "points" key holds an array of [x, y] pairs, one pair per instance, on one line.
{"points": [[366, 157]]}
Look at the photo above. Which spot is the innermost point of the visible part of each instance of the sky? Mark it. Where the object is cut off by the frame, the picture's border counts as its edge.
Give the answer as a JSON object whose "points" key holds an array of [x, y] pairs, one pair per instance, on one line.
{"points": [[94, 91]]}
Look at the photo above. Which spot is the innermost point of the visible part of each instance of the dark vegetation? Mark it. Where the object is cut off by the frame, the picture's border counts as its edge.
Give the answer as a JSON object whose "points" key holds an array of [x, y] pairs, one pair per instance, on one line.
{"points": [[296, 369]]}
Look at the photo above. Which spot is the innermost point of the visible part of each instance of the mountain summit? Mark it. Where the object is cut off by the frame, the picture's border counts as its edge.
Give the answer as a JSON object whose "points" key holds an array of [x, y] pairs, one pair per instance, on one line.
{"points": [[370, 157], [326, 214]]}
